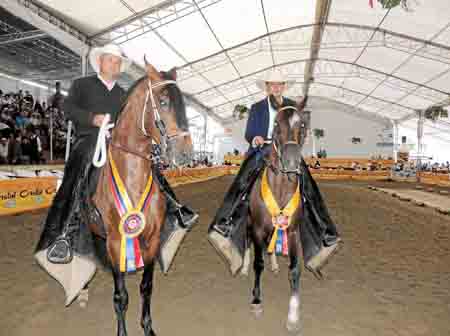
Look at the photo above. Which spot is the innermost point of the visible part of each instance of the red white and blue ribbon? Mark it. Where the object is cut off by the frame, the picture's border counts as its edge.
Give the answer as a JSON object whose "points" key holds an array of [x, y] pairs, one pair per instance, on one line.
{"points": [[132, 219]]}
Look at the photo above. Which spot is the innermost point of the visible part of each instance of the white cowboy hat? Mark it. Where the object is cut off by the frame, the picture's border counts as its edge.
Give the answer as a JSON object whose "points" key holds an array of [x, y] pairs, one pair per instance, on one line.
{"points": [[112, 49], [272, 76]]}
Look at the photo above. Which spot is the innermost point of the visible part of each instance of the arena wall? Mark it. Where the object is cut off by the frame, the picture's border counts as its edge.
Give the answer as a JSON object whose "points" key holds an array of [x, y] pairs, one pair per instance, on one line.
{"points": [[340, 123]]}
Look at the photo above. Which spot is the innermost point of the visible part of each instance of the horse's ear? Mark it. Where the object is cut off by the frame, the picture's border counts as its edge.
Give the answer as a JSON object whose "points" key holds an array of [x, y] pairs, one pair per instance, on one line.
{"points": [[302, 104], [151, 70]]}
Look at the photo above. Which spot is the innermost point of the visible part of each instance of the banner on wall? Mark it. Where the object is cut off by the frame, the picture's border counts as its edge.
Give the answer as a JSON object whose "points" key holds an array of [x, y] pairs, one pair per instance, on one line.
{"points": [[26, 194]]}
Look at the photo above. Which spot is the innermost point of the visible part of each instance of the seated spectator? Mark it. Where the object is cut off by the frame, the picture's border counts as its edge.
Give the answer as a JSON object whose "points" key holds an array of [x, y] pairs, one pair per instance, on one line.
{"points": [[15, 151], [21, 120], [4, 150], [36, 146], [28, 98], [35, 119], [26, 148]]}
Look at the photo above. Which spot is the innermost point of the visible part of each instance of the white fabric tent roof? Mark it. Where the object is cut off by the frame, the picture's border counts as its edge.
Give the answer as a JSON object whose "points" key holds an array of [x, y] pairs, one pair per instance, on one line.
{"points": [[387, 62]]}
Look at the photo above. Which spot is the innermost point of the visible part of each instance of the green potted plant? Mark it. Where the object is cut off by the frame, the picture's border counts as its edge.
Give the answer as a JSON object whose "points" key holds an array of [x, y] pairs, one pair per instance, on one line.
{"points": [[240, 111], [318, 133], [389, 4]]}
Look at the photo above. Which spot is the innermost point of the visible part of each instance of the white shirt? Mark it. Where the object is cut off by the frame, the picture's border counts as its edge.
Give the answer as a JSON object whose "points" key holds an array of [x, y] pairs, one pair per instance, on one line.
{"points": [[109, 85], [272, 117]]}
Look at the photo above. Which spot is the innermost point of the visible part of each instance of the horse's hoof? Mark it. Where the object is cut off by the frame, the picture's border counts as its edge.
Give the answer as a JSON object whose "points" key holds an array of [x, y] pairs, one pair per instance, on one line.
{"points": [[257, 309], [294, 326]]}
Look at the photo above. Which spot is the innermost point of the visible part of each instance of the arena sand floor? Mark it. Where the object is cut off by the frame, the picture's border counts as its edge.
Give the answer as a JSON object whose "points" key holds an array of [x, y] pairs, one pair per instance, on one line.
{"points": [[391, 278]]}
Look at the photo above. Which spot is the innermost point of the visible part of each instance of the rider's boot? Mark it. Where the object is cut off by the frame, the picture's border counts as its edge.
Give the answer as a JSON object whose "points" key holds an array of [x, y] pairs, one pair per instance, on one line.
{"points": [[228, 231], [179, 221]]}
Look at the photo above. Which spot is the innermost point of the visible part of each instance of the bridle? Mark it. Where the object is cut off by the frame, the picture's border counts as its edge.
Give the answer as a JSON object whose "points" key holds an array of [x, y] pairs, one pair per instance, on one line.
{"points": [[282, 169], [278, 152], [158, 121], [158, 147]]}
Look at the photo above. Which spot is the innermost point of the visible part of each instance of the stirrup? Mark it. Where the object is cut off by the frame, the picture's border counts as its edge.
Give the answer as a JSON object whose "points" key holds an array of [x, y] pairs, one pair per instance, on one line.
{"points": [[60, 252], [225, 228]]}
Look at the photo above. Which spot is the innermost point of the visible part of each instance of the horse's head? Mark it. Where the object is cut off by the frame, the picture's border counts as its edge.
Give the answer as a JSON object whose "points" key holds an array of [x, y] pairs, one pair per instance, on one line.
{"points": [[288, 136], [169, 102]]}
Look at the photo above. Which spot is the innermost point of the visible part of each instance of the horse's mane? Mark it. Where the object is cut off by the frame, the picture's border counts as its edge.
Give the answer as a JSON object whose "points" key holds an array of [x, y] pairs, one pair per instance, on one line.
{"points": [[176, 101]]}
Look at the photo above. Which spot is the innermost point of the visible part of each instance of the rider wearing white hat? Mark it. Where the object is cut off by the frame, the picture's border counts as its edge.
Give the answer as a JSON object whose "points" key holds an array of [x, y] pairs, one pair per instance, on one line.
{"points": [[263, 113], [227, 232], [63, 249], [109, 49], [273, 75], [65, 246], [259, 129]]}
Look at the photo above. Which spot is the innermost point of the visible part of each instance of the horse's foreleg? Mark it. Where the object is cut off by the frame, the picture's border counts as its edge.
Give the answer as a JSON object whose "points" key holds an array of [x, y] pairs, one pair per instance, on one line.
{"points": [[246, 262], [120, 301], [293, 320], [258, 266], [274, 263], [146, 294]]}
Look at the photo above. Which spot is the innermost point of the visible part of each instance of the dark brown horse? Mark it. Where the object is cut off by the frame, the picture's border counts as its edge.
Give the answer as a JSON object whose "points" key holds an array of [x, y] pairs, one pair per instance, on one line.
{"points": [[280, 180], [130, 151]]}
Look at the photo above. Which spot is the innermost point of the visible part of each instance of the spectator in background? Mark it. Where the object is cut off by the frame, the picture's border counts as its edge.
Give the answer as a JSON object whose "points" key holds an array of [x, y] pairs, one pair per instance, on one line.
{"points": [[28, 98], [26, 150], [38, 108], [21, 120], [35, 146], [35, 119], [56, 100], [15, 150], [3, 150]]}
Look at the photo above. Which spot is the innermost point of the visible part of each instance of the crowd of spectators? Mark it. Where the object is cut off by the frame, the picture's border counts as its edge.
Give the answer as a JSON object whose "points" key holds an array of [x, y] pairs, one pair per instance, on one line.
{"points": [[25, 128], [409, 168], [436, 167]]}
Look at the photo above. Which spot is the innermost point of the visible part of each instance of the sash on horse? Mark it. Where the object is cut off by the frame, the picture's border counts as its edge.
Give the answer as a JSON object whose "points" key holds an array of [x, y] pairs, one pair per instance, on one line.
{"points": [[281, 218]]}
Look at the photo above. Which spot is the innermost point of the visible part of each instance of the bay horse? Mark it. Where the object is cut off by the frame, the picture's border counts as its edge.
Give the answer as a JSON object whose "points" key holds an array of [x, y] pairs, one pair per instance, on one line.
{"points": [[129, 199], [275, 209]]}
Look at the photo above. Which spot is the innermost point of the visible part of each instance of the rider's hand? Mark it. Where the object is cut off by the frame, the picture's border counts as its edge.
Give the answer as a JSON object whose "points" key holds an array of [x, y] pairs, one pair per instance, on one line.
{"points": [[98, 119], [257, 141]]}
